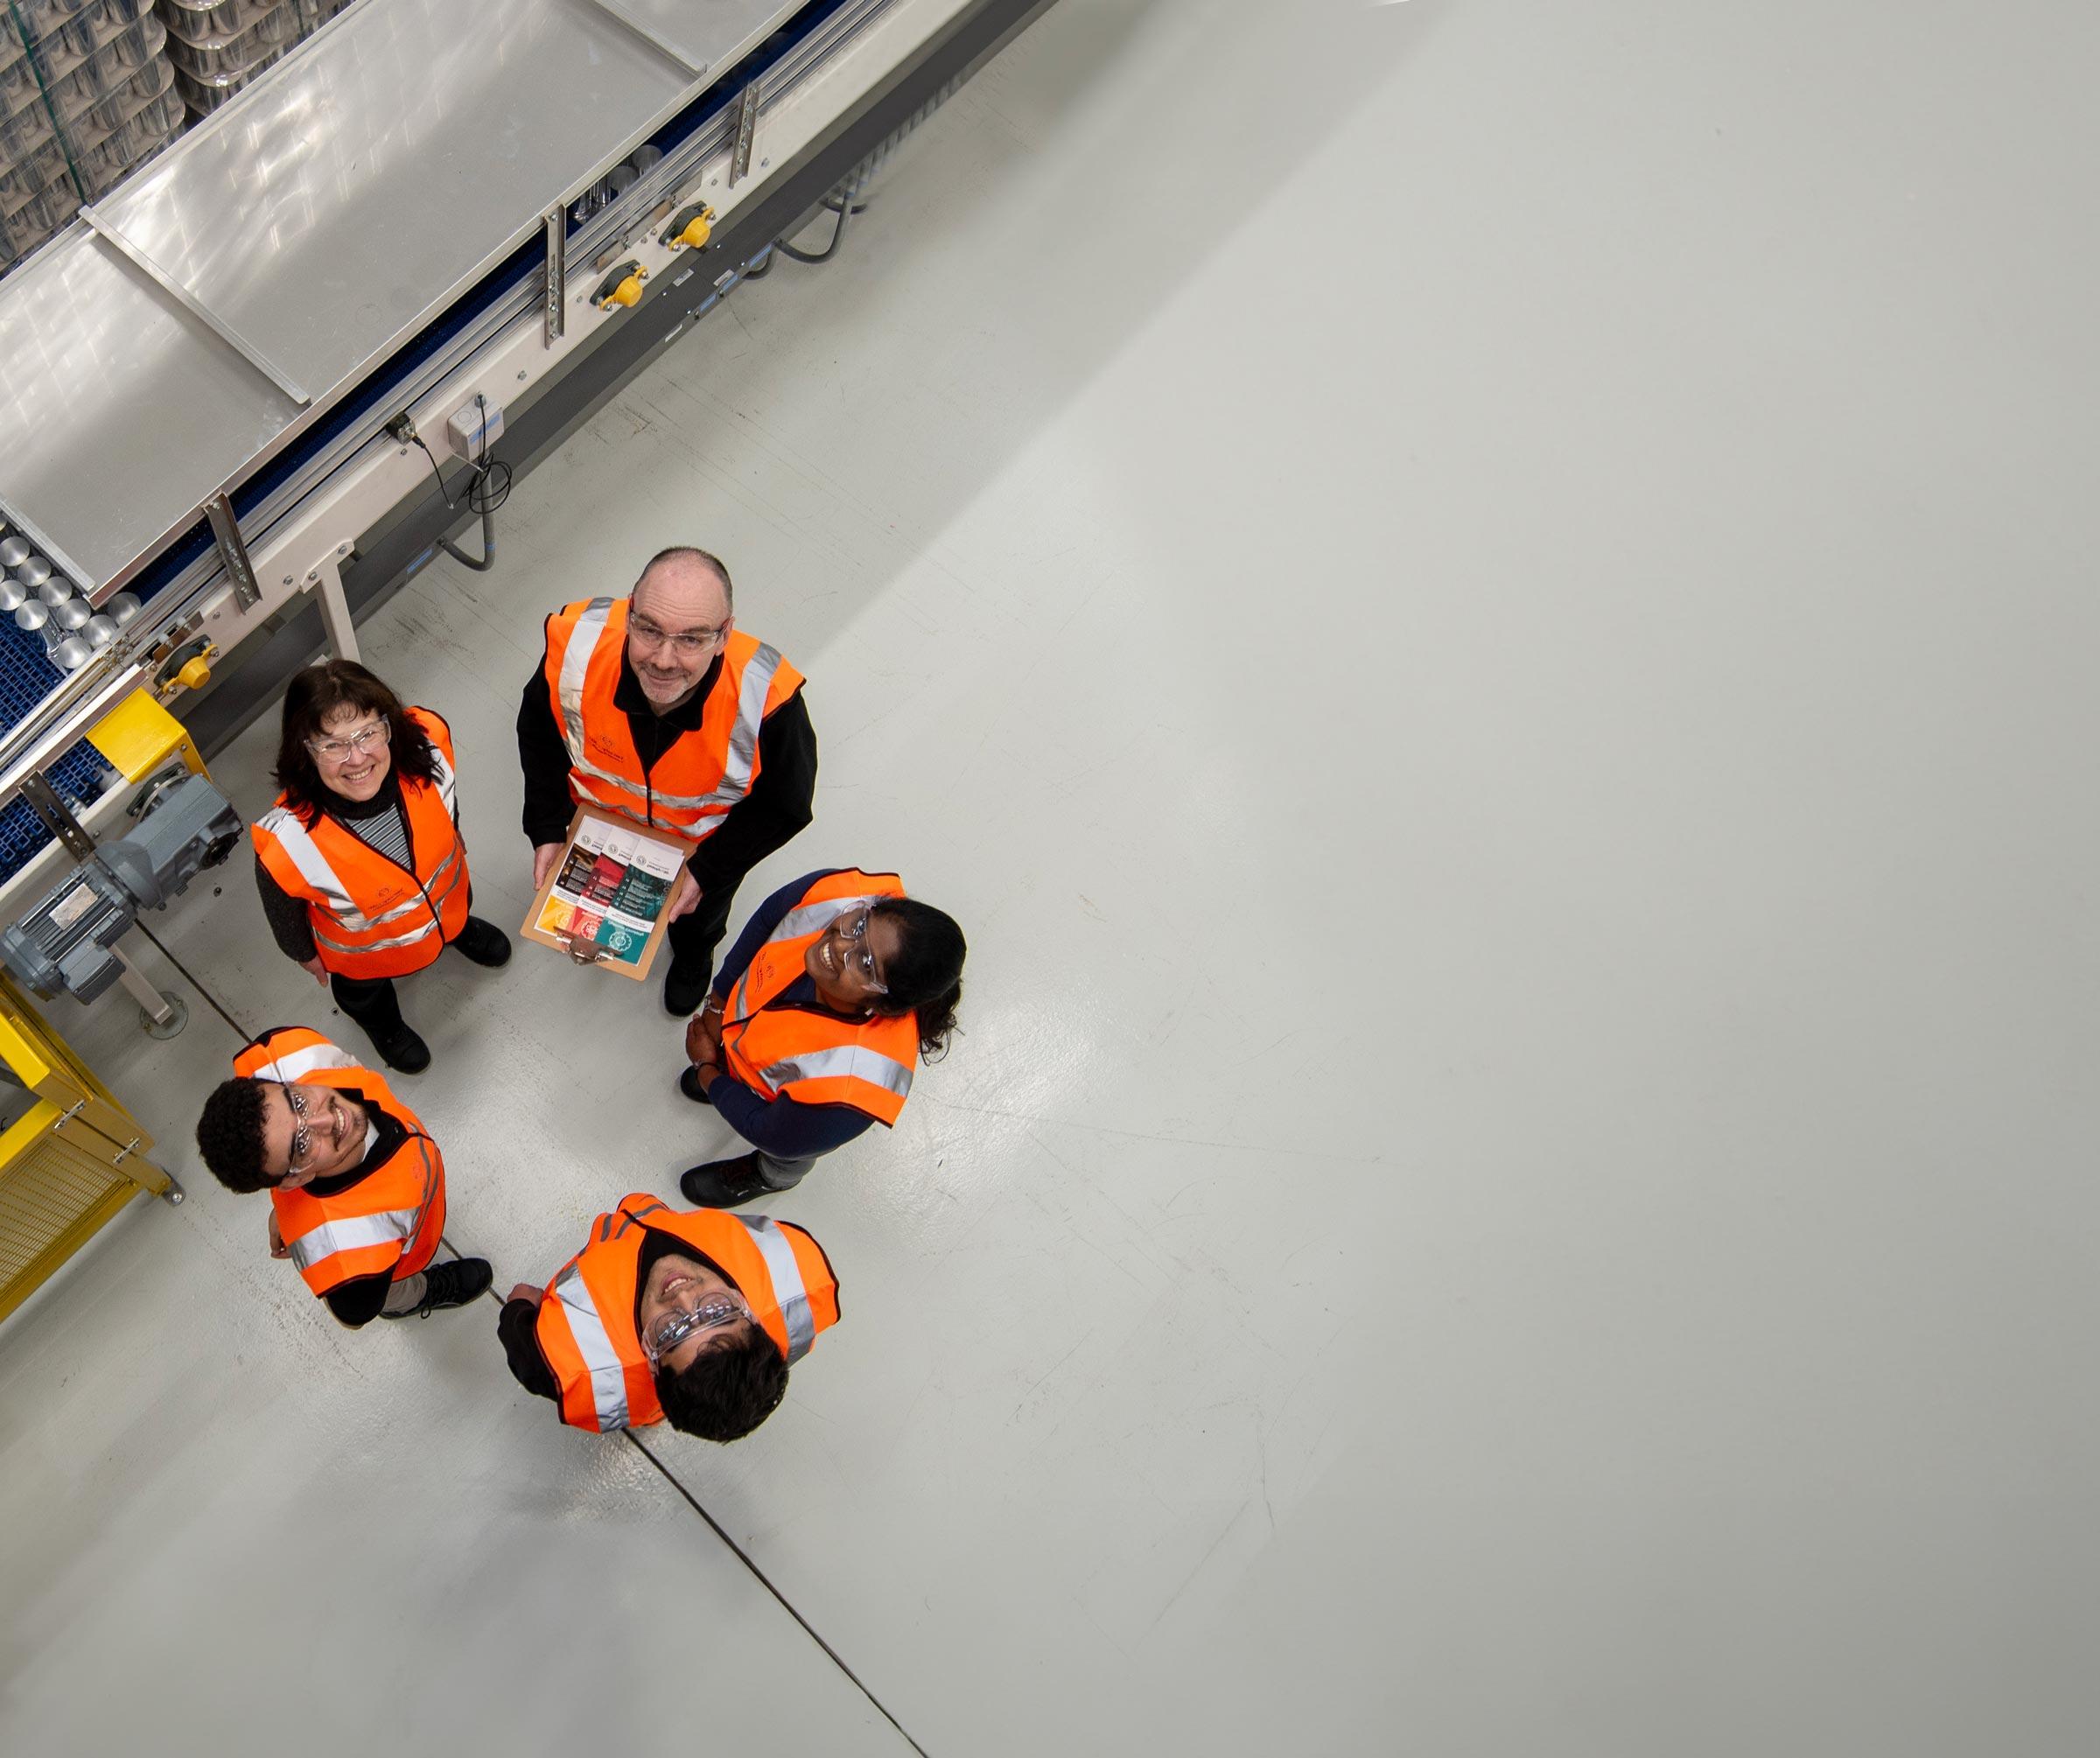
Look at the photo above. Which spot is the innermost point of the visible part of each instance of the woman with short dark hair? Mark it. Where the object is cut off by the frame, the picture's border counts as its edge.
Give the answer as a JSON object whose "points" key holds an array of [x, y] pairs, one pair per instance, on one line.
{"points": [[361, 863]]}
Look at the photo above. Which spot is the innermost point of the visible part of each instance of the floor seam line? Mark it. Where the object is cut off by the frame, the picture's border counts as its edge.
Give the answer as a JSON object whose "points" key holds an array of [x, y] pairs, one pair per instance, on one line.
{"points": [[736, 1550]]}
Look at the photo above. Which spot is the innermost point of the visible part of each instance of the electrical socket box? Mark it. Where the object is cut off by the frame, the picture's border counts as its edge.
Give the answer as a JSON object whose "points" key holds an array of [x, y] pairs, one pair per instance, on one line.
{"points": [[474, 428]]}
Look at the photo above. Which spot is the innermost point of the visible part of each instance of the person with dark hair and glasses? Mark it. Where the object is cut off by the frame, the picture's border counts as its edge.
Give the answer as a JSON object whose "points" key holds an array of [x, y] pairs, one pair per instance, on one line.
{"points": [[833, 992], [356, 1186], [361, 863], [656, 708], [696, 1318]]}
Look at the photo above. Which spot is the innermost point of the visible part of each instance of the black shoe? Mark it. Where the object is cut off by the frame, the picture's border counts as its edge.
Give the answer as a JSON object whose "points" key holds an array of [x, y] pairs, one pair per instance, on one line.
{"points": [[689, 1083], [483, 943], [402, 1050], [449, 1284], [685, 988], [724, 1183]]}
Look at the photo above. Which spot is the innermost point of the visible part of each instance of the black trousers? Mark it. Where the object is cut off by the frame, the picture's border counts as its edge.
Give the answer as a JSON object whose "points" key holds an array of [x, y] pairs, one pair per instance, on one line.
{"points": [[695, 937], [373, 1001]]}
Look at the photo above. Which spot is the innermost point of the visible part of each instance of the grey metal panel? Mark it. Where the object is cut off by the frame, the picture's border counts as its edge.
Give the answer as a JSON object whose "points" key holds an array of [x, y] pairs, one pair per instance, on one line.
{"points": [[119, 411], [703, 33], [322, 217], [386, 169]]}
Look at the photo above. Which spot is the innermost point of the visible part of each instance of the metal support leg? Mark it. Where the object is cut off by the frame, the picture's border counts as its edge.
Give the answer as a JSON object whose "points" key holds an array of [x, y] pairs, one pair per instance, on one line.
{"points": [[163, 1016], [335, 613]]}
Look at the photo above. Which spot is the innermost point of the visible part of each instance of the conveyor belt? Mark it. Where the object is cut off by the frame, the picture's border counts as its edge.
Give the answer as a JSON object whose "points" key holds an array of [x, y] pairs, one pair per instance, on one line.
{"points": [[226, 297], [109, 467]]}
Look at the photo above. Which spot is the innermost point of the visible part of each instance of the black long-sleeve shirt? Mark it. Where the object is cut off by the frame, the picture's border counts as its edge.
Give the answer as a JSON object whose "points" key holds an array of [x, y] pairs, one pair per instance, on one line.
{"points": [[517, 1325], [775, 808]]}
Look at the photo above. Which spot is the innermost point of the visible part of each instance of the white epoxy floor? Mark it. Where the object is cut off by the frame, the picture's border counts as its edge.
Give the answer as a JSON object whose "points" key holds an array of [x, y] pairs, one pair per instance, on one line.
{"points": [[1485, 612]]}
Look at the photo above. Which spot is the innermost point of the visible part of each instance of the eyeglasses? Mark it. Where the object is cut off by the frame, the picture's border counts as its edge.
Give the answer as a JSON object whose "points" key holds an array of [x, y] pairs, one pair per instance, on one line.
{"points": [[302, 1138], [675, 1327], [859, 959], [335, 750], [688, 643]]}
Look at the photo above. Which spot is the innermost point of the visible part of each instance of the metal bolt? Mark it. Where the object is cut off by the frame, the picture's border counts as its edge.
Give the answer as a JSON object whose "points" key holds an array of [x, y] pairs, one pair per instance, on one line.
{"points": [[288, 579], [764, 163], [342, 549], [404, 453], [520, 378], [313, 574]]}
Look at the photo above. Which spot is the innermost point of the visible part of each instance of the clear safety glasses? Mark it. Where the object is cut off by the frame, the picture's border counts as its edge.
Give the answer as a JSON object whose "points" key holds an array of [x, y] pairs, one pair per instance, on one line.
{"points": [[674, 1329]]}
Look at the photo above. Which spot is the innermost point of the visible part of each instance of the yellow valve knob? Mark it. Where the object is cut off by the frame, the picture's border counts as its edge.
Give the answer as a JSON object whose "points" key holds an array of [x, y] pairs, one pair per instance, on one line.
{"points": [[689, 230], [195, 674], [628, 292]]}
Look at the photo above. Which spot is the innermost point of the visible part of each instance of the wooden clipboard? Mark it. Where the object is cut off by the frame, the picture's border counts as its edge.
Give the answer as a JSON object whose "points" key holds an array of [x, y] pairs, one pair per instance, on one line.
{"points": [[606, 902]]}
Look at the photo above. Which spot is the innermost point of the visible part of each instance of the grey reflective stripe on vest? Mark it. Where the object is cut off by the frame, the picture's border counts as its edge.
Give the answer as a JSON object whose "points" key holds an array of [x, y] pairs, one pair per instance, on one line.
{"points": [[335, 896], [594, 1343], [448, 783], [423, 932], [292, 837], [353, 1233], [790, 1293], [685, 802], [296, 1064], [576, 664], [744, 735], [450, 864], [856, 1060]]}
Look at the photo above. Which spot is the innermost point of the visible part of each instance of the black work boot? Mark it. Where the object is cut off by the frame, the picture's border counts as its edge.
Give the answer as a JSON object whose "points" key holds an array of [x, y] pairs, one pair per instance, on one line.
{"points": [[483, 943], [401, 1048], [685, 987], [724, 1183], [449, 1284], [689, 1083]]}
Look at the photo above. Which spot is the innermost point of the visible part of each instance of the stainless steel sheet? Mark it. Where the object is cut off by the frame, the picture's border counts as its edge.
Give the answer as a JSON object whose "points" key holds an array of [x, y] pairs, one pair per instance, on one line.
{"points": [[323, 217], [348, 197], [706, 35], [119, 411]]}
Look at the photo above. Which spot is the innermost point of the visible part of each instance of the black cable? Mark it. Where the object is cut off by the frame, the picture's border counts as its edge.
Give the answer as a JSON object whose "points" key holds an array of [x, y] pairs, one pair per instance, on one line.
{"points": [[693, 1502], [211, 1001], [846, 211], [487, 489]]}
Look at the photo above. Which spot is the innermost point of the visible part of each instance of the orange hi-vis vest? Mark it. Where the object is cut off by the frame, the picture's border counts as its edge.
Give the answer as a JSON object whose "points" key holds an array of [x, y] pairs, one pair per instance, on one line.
{"points": [[586, 1329], [812, 1056], [371, 916], [388, 1221], [705, 771]]}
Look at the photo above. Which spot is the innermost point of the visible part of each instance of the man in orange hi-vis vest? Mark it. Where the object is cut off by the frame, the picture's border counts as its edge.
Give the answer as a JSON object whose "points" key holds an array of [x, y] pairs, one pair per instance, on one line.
{"points": [[656, 708], [692, 1318], [356, 1186]]}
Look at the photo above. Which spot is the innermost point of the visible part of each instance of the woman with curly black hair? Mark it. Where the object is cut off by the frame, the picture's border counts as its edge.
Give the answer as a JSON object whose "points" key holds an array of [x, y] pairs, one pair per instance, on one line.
{"points": [[360, 863], [816, 1022]]}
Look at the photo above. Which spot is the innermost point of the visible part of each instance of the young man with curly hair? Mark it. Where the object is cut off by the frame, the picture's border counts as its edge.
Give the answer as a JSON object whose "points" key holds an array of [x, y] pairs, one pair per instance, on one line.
{"points": [[356, 1186]]}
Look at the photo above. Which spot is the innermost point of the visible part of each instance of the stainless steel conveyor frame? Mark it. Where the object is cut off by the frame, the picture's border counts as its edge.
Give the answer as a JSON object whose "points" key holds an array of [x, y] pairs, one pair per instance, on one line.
{"points": [[191, 401]]}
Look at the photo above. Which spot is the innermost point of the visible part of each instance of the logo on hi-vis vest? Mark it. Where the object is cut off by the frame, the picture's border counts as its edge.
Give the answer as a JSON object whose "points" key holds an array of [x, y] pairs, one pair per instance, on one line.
{"points": [[599, 744]]}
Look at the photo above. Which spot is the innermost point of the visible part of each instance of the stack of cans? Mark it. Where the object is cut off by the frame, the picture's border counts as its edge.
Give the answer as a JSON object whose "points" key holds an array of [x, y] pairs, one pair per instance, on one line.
{"points": [[220, 45], [86, 92], [42, 602]]}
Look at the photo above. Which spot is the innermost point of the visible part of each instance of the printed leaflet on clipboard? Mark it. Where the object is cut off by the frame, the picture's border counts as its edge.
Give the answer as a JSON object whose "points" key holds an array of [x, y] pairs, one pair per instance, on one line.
{"points": [[606, 901]]}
